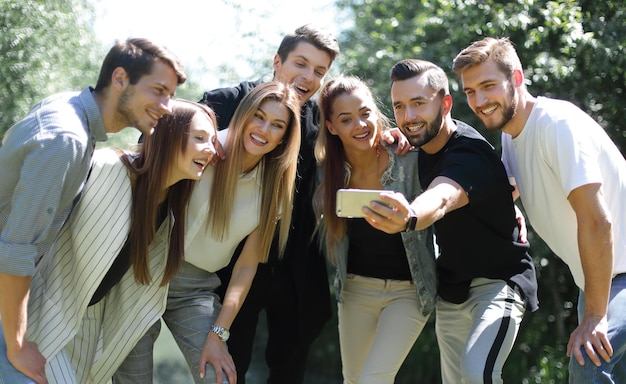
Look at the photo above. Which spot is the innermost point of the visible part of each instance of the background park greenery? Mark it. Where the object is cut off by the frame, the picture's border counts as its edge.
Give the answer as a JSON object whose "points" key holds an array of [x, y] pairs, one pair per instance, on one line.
{"points": [[571, 49]]}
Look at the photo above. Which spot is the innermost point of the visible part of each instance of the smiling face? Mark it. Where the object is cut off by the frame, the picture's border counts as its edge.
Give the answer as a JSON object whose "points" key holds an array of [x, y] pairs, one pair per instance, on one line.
{"points": [[141, 105], [264, 131], [191, 162], [304, 68], [354, 120], [418, 109], [490, 94]]}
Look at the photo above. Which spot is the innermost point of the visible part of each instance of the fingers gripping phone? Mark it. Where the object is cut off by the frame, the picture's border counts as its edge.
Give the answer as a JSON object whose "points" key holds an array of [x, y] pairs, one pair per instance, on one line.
{"points": [[350, 202]]}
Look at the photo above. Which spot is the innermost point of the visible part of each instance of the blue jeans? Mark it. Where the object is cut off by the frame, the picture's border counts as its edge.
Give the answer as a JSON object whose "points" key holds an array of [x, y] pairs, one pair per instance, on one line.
{"points": [[615, 371], [8, 373], [192, 308], [59, 369]]}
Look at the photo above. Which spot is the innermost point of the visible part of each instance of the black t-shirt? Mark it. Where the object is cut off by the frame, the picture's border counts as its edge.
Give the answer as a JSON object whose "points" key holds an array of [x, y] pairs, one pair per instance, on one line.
{"points": [[479, 239], [374, 253]]}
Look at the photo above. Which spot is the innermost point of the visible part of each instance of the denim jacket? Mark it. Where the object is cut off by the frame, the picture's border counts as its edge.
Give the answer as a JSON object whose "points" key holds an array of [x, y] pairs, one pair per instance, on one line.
{"points": [[401, 176]]}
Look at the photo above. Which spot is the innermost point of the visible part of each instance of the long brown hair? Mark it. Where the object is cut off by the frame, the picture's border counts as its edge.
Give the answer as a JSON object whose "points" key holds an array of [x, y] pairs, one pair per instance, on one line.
{"points": [[151, 168], [278, 169], [330, 154]]}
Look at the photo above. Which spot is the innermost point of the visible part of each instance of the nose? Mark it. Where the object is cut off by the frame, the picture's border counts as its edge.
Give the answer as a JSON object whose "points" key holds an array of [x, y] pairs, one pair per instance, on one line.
{"points": [[265, 126], [409, 113], [165, 105], [479, 98], [307, 74]]}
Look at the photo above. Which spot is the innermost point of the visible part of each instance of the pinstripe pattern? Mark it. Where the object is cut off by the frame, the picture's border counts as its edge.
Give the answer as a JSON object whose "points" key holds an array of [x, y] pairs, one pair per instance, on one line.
{"points": [[69, 274], [45, 159]]}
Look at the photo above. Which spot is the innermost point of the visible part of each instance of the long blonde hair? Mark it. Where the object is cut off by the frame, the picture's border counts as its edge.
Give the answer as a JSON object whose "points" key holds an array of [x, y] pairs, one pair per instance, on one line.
{"points": [[278, 169]]}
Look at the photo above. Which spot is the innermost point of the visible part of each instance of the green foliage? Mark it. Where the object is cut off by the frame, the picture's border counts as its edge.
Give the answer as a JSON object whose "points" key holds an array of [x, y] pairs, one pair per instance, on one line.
{"points": [[46, 46], [572, 49]]}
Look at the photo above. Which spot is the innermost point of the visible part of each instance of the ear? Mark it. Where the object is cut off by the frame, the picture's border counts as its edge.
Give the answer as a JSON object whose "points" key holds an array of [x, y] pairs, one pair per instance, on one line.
{"points": [[277, 62], [330, 128], [119, 78], [447, 104], [518, 78]]}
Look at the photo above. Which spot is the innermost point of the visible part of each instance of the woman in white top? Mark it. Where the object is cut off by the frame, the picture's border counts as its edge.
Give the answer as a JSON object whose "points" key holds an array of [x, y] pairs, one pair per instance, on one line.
{"points": [[244, 195]]}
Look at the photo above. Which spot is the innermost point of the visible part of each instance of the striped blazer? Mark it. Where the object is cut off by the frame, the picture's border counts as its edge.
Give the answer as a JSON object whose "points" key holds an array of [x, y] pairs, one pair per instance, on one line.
{"points": [[68, 275]]}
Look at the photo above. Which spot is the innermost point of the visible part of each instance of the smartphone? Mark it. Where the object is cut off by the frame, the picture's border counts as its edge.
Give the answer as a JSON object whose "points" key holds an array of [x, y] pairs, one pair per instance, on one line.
{"points": [[350, 202]]}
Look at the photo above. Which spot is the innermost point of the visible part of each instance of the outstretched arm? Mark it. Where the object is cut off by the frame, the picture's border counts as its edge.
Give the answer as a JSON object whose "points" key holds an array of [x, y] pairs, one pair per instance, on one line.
{"points": [[215, 350], [442, 196], [595, 244]]}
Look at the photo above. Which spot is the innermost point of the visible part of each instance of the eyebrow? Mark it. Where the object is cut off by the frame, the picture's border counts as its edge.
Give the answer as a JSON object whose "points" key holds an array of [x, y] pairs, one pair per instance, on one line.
{"points": [[265, 114], [479, 84], [167, 89], [308, 61], [348, 113], [413, 99]]}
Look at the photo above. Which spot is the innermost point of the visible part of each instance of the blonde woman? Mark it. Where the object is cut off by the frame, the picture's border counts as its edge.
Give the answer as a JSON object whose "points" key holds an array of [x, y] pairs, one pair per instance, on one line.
{"points": [[244, 195]]}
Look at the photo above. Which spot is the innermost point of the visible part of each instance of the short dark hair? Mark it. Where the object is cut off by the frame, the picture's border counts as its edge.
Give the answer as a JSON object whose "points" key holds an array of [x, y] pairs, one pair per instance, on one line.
{"points": [[435, 76], [137, 56], [311, 34]]}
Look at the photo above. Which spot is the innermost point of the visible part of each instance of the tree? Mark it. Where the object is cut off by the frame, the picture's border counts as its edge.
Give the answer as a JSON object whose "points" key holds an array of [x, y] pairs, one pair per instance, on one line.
{"points": [[573, 49], [46, 46]]}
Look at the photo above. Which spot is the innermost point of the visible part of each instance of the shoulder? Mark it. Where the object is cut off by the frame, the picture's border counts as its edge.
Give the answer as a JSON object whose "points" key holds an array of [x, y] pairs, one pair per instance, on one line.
{"points": [[107, 159], [220, 95]]}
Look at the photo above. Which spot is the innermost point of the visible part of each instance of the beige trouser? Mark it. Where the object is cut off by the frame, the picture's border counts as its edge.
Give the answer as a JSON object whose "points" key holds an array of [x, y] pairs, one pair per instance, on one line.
{"points": [[379, 321]]}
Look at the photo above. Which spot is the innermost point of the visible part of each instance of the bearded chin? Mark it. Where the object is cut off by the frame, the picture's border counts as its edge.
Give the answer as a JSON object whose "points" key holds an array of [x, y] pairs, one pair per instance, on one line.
{"points": [[510, 109]]}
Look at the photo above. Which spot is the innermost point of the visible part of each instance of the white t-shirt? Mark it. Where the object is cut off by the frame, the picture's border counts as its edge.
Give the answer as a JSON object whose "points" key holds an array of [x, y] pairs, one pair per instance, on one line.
{"points": [[560, 149], [201, 249]]}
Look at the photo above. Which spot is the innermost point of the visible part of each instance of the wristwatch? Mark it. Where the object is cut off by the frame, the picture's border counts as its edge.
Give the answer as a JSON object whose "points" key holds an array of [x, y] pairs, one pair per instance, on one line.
{"points": [[222, 332], [410, 225]]}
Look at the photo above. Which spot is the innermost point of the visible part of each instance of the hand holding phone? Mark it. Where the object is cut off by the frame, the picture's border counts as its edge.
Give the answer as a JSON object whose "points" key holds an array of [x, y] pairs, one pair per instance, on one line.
{"points": [[350, 202]]}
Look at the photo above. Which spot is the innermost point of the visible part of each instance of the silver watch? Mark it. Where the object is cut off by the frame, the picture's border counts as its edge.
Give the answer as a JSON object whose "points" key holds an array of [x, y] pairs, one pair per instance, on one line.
{"points": [[222, 332]]}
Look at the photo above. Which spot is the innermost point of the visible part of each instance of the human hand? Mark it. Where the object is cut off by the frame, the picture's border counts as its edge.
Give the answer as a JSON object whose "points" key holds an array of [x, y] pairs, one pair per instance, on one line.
{"points": [[521, 225], [217, 151], [390, 217], [393, 135], [591, 334], [29, 361], [215, 352]]}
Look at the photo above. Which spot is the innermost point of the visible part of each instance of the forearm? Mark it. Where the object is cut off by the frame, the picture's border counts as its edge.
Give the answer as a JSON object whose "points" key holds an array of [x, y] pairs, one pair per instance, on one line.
{"points": [[442, 196], [238, 288], [596, 252], [13, 309]]}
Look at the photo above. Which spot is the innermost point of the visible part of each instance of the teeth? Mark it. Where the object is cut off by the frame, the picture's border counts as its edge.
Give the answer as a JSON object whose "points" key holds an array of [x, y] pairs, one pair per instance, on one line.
{"points": [[414, 127], [258, 138], [489, 110], [361, 136], [305, 90]]}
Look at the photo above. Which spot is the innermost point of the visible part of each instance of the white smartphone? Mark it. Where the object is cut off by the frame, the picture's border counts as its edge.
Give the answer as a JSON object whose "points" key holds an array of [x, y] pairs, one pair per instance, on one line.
{"points": [[350, 202]]}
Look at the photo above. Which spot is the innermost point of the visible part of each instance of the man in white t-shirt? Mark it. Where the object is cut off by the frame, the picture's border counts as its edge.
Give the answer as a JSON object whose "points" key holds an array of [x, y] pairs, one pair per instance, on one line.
{"points": [[572, 180]]}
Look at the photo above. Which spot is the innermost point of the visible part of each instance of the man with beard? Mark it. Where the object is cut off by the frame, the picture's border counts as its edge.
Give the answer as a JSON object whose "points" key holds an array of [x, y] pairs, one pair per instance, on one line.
{"points": [[572, 180], [45, 162], [486, 276]]}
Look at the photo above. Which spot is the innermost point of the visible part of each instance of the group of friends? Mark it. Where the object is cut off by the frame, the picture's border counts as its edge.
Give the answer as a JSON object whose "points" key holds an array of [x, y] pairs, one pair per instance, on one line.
{"points": [[227, 208]]}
